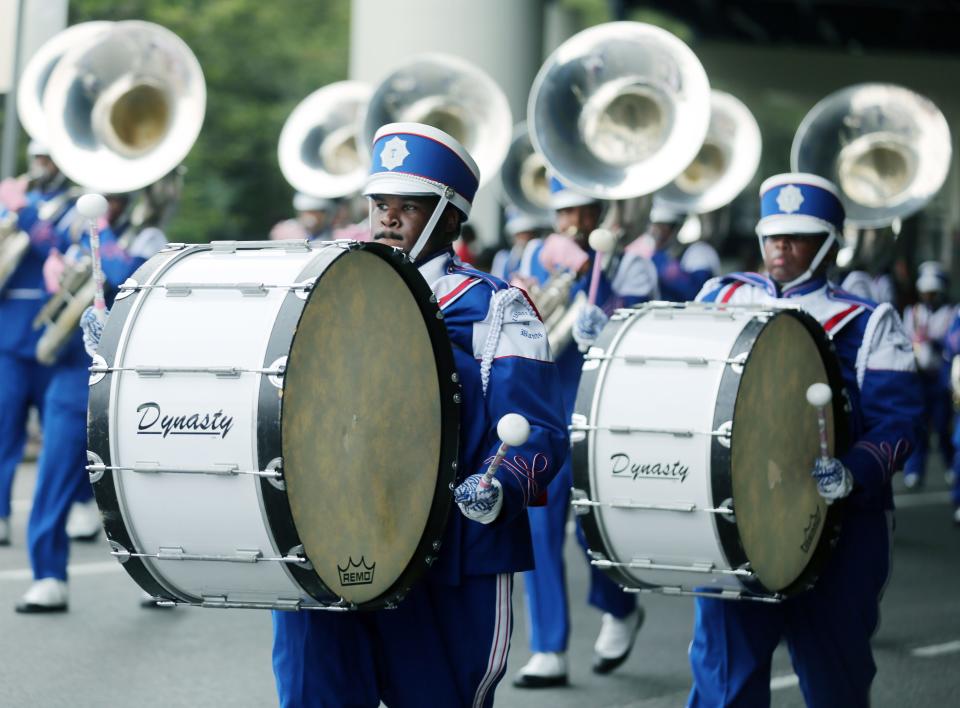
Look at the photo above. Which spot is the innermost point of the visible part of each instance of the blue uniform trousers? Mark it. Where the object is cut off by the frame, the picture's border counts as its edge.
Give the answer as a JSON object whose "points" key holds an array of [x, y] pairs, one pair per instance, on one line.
{"points": [[61, 471], [548, 605], [938, 408], [828, 630], [23, 383], [443, 646]]}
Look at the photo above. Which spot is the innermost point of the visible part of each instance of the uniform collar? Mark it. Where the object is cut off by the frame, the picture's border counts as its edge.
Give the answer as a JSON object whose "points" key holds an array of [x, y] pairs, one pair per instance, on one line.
{"points": [[435, 265], [804, 288]]}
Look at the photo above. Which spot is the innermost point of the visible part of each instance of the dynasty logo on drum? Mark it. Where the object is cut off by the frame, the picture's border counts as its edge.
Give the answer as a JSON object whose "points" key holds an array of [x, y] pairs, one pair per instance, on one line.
{"points": [[623, 466], [356, 573], [810, 532], [154, 422]]}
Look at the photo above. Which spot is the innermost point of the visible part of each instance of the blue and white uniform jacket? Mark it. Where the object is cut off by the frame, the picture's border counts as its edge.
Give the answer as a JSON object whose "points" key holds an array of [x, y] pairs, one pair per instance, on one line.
{"points": [[878, 368], [927, 330], [503, 361], [23, 295]]}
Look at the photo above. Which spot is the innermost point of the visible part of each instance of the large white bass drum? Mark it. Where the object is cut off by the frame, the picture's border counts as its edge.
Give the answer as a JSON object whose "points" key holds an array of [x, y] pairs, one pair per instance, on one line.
{"points": [[275, 425], [693, 443]]}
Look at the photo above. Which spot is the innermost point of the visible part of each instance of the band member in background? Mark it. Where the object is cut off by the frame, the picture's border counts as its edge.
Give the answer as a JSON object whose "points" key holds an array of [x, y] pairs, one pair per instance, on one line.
{"points": [[547, 601], [524, 233], [314, 220], [828, 628], [23, 380], [446, 644], [61, 470], [679, 280], [927, 323], [952, 356]]}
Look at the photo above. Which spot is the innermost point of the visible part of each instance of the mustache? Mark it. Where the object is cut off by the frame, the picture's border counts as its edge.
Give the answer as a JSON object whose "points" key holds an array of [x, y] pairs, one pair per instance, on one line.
{"points": [[387, 234]]}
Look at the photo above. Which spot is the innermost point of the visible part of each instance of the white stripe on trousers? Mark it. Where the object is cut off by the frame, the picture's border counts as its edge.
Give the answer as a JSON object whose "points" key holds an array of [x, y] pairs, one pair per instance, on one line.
{"points": [[501, 639]]}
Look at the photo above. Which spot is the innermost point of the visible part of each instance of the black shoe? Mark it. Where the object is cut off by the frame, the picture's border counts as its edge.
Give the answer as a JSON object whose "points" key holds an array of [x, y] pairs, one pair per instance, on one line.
{"points": [[531, 681], [605, 664]]}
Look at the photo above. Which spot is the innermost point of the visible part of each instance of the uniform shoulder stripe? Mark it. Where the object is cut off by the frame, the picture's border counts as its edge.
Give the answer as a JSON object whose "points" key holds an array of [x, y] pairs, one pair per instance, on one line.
{"points": [[458, 292]]}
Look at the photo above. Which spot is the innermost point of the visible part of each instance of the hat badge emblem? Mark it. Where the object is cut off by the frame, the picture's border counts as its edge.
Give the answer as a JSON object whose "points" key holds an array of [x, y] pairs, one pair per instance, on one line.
{"points": [[789, 199], [394, 153]]}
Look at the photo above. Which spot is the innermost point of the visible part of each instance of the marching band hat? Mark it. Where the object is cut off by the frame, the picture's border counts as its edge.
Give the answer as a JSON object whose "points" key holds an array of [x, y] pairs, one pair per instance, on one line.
{"points": [[663, 213], [306, 202], [800, 203], [418, 159], [35, 147], [520, 221], [562, 196], [932, 277]]}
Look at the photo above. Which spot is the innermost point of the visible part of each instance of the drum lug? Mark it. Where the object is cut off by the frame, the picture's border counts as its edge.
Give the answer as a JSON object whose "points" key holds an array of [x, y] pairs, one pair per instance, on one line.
{"points": [[119, 552], [276, 479], [578, 423], [736, 364], [279, 365], [128, 288], [578, 495], [98, 370], [723, 433], [729, 516], [96, 468], [299, 553]]}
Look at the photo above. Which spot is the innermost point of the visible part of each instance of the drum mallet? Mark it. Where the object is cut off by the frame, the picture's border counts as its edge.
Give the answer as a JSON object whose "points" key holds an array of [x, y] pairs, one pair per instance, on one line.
{"points": [[92, 207], [601, 241], [513, 430], [818, 396]]}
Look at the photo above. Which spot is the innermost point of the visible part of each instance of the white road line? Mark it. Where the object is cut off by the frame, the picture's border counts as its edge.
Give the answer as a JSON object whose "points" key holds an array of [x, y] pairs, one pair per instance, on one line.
{"points": [[780, 682], [73, 570], [937, 649]]}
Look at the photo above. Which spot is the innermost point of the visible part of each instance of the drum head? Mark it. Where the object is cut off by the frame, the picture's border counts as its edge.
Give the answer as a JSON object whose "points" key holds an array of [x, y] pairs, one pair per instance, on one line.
{"points": [[775, 441], [362, 427]]}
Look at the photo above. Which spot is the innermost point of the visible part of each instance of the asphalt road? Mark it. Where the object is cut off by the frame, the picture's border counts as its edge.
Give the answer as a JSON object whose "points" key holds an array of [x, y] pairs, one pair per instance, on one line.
{"points": [[108, 651]]}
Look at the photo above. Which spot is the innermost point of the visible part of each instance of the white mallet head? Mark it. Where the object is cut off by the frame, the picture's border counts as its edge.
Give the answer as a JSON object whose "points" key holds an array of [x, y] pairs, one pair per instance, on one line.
{"points": [[819, 395], [92, 206], [602, 240], [513, 429]]}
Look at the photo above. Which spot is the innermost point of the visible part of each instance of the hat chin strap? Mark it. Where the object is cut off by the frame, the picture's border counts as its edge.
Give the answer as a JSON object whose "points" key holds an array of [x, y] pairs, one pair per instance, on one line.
{"points": [[428, 229], [814, 264]]}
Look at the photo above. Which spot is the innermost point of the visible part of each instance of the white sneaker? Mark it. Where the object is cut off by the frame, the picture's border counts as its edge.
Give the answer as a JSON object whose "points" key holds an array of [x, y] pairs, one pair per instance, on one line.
{"points": [[4, 531], [545, 669], [615, 640], [83, 521], [45, 595]]}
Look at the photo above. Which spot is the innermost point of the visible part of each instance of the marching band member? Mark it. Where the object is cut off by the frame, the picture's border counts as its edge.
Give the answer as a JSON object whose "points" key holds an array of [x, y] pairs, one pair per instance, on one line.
{"points": [[547, 601], [827, 628], [525, 234], [679, 280], [446, 643], [951, 352], [926, 324], [314, 220], [61, 469], [23, 380]]}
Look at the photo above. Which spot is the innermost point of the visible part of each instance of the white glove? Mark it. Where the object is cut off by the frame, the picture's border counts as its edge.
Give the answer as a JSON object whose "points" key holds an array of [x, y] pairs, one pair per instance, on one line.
{"points": [[590, 322], [482, 505], [91, 322], [834, 481]]}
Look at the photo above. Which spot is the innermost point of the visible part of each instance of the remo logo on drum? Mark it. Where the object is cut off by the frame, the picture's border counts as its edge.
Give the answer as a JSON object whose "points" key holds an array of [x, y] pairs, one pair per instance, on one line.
{"points": [[154, 422]]}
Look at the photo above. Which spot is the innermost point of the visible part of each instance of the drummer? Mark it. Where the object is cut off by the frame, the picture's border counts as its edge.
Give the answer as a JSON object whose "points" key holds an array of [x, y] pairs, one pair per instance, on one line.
{"points": [[447, 642], [828, 628]]}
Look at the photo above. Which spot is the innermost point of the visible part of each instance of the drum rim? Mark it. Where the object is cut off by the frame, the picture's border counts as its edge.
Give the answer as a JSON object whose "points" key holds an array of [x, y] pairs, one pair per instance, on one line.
{"points": [[431, 539], [721, 457]]}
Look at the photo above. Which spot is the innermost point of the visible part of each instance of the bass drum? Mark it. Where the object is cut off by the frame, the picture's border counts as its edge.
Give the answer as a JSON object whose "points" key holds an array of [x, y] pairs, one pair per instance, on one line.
{"points": [[692, 448], [275, 425]]}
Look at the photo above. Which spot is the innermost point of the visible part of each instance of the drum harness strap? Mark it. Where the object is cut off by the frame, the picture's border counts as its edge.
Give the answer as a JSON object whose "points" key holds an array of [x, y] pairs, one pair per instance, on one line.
{"points": [[498, 304]]}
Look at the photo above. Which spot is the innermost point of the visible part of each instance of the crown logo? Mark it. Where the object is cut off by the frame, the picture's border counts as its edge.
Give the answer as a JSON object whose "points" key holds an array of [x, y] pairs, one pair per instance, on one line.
{"points": [[354, 573]]}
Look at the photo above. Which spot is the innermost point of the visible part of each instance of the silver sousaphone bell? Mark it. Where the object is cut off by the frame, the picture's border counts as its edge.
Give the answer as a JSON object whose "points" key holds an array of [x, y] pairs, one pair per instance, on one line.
{"points": [[725, 164], [124, 108], [318, 150], [619, 110], [885, 147], [450, 94], [524, 176]]}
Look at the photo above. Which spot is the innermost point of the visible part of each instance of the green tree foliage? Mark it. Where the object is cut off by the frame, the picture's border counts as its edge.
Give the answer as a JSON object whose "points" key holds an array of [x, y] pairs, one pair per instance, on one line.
{"points": [[260, 58]]}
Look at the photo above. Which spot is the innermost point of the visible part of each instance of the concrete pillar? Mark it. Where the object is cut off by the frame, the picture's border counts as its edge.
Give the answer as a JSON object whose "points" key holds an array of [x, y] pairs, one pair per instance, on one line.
{"points": [[502, 37]]}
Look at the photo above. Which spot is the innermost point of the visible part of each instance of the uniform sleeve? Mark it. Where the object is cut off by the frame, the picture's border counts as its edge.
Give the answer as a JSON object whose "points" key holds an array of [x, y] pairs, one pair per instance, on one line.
{"points": [[636, 280], [890, 399], [676, 283], [710, 290], [521, 378]]}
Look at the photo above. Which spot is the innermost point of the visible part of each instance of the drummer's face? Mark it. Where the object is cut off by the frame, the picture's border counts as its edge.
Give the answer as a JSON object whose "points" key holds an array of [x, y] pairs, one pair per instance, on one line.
{"points": [[398, 220], [788, 256]]}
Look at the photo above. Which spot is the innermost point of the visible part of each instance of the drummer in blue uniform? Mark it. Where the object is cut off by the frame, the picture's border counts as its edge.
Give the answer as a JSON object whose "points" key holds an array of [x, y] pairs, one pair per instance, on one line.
{"points": [[23, 380], [61, 470], [446, 644], [827, 629], [634, 280]]}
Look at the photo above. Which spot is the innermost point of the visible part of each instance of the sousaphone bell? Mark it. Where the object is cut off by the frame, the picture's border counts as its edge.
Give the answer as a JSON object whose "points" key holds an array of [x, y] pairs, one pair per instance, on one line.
{"points": [[524, 176]]}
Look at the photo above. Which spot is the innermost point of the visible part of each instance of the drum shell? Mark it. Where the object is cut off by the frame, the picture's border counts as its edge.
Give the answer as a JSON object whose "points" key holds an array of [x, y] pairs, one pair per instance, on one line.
{"points": [[683, 545], [219, 515]]}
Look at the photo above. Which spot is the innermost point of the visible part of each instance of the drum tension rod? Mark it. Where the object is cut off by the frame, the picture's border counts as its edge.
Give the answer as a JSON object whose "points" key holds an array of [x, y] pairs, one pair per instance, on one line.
{"points": [[647, 564], [628, 504], [776, 598], [241, 555], [225, 470], [158, 371]]}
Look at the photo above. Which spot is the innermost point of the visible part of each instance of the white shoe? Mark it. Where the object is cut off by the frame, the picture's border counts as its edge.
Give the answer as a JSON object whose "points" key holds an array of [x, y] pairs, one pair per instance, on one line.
{"points": [[45, 595], [543, 670], [911, 481], [615, 640], [83, 521], [4, 531]]}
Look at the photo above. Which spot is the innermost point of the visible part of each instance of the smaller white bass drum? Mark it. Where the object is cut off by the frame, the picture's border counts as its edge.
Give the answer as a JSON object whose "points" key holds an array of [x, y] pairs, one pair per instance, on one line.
{"points": [[692, 448]]}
